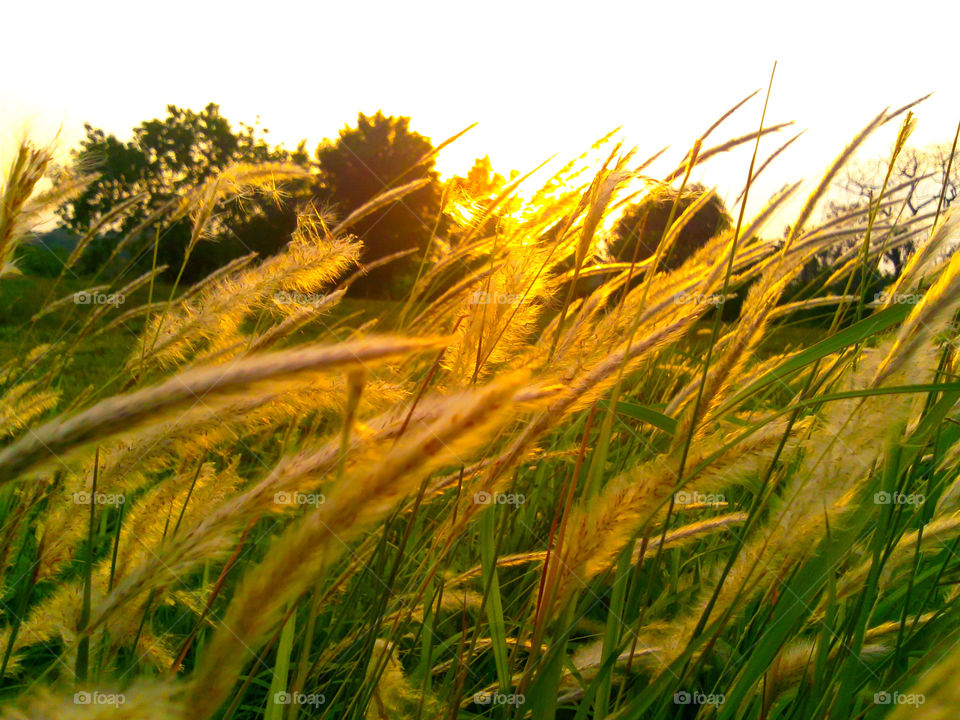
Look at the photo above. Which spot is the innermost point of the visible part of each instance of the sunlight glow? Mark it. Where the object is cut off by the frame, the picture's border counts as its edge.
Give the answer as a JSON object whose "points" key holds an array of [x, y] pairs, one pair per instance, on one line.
{"points": [[541, 78]]}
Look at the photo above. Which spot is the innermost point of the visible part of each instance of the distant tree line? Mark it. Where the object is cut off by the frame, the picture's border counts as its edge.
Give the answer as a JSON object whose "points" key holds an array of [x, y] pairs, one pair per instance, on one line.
{"points": [[166, 157]]}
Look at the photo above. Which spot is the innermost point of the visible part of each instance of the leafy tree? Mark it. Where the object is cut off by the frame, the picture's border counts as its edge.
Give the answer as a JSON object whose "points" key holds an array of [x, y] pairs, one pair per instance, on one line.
{"points": [[381, 153], [163, 160], [643, 224]]}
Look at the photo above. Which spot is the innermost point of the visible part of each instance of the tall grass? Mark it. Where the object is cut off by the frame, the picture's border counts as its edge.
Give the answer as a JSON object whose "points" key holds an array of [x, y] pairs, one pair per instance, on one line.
{"points": [[508, 499]]}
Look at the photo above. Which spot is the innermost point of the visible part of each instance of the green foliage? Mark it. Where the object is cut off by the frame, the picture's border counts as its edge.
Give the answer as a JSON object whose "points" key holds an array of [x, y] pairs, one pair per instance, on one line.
{"points": [[378, 154], [39, 260], [165, 159], [643, 225]]}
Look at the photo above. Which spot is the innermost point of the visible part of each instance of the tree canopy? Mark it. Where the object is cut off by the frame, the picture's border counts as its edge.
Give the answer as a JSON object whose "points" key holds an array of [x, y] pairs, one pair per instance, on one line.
{"points": [[381, 153], [165, 158], [642, 226], [920, 177], [481, 181]]}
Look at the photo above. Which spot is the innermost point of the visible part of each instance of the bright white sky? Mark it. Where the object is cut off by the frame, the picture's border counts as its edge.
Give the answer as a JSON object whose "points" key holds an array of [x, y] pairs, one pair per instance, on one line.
{"points": [[540, 77]]}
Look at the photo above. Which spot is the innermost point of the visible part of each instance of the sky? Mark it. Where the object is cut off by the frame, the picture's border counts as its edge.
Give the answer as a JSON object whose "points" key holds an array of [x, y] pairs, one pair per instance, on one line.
{"points": [[540, 78]]}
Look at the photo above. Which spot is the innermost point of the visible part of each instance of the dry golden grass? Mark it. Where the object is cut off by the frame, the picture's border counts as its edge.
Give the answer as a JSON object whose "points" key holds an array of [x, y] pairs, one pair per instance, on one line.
{"points": [[499, 495]]}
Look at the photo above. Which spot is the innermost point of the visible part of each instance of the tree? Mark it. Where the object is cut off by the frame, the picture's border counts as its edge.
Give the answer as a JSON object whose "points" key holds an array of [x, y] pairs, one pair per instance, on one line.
{"points": [[381, 153], [643, 224], [163, 160], [922, 172], [481, 182], [468, 199]]}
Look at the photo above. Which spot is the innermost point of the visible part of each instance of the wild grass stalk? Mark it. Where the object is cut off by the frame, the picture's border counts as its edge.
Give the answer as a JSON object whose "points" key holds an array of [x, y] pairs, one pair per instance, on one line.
{"points": [[549, 489]]}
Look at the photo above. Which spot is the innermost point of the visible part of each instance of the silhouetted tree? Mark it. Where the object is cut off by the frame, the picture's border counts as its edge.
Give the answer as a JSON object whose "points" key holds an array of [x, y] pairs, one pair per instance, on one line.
{"points": [[918, 178], [379, 154], [164, 159], [643, 224], [924, 171]]}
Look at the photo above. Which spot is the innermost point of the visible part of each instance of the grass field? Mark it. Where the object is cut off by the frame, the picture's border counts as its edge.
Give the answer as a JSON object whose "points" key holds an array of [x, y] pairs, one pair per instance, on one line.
{"points": [[258, 497], [95, 360]]}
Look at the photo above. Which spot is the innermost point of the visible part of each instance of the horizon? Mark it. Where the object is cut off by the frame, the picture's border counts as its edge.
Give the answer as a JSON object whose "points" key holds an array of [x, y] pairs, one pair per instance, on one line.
{"points": [[578, 96]]}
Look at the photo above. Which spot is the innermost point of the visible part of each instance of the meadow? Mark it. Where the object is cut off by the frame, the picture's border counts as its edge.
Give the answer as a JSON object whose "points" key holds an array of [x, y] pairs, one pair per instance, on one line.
{"points": [[498, 497]]}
